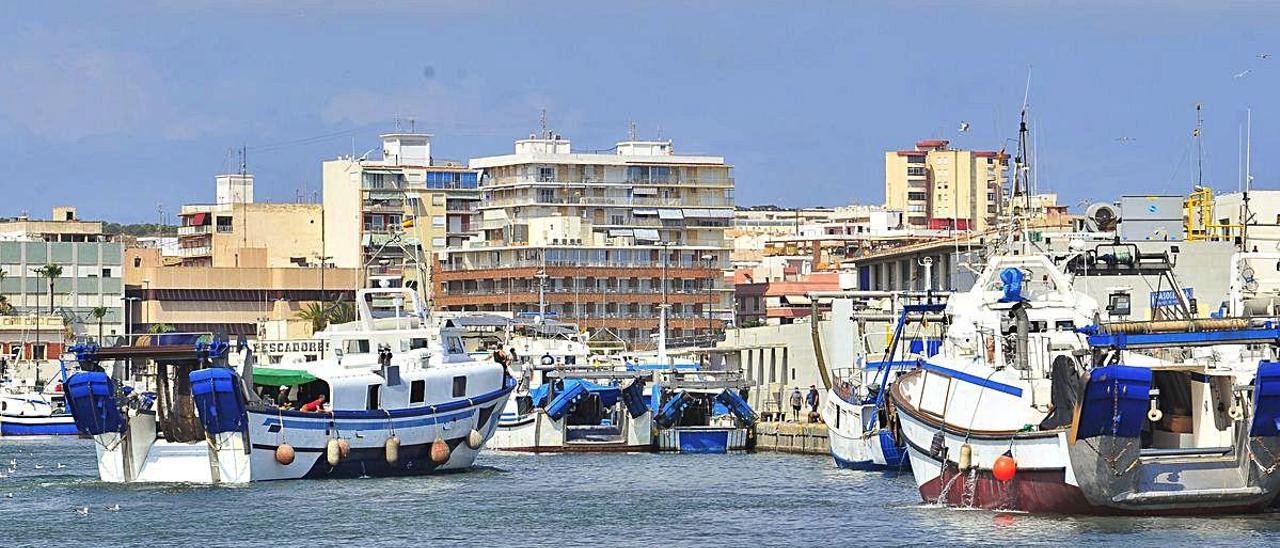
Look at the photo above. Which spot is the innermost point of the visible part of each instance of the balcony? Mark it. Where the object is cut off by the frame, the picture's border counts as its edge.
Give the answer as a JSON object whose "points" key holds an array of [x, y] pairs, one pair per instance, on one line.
{"points": [[608, 201], [194, 230], [201, 251], [672, 181]]}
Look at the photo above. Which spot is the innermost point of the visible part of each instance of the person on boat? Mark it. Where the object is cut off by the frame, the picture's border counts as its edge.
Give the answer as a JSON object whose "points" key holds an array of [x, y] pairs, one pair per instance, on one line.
{"points": [[314, 406], [282, 397], [812, 400], [511, 352], [796, 403]]}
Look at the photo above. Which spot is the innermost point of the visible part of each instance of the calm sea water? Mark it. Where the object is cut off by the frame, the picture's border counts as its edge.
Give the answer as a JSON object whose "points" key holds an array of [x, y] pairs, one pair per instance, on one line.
{"points": [[609, 500]]}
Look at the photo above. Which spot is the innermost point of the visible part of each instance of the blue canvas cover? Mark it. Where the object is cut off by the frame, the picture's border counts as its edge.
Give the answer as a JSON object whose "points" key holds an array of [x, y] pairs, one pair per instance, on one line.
{"points": [[1266, 401], [1012, 280], [574, 390], [926, 347], [736, 405], [91, 397], [218, 400], [671, 411], [1115, 402], [633, 396]]}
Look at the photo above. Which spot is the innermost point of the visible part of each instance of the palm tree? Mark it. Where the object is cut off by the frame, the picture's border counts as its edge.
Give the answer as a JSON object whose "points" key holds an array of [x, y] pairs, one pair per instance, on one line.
{"points": [[5, 307], [98, 313], [342, 312], [161, 327], [316, 314], [52, 272]]}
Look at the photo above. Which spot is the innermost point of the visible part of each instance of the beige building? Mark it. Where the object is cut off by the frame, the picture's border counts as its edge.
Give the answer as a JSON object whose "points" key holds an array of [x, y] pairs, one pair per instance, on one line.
{"points": [[940, 188], [388, 218], [607, 237], [236, 232], [229, 300]]}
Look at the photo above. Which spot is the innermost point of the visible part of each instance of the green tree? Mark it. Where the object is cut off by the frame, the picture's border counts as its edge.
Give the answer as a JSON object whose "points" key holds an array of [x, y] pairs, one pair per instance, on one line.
{"points": [[161, 327], [315, 313], [51, 272], [98, 313], [342, 312], [5, 307]]}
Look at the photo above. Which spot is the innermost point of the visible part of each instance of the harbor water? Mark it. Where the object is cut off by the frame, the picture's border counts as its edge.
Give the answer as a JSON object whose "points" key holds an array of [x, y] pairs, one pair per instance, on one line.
{"points": [[768, 499]]}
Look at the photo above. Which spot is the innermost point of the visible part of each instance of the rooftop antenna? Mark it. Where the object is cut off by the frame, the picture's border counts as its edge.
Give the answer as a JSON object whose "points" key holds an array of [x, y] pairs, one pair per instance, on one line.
{"points": [[659, 132], [1199, 146], [413, 125], [546, 133], [1248, 178], [631, 130], [396, 121]]}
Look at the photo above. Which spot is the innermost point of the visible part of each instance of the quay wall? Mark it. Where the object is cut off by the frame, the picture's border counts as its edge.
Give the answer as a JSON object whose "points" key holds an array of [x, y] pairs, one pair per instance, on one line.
{"points": [[791, 437]]}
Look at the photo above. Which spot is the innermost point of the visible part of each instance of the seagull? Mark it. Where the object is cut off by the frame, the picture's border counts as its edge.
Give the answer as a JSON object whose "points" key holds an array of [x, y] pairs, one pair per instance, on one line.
{"points": [[964, 126], [1243, 74], [113, 508], [8, 495], [1124, 140], [39, 467], [83, 511], [61, 466], [13, 463], [1264, 56]]}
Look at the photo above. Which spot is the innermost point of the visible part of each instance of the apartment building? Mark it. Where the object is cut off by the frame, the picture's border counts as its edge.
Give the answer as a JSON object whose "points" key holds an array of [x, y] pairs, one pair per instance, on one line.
{"points": [[91, 277], [602, 239], [944, 188], [388, 218], [236, 232]]}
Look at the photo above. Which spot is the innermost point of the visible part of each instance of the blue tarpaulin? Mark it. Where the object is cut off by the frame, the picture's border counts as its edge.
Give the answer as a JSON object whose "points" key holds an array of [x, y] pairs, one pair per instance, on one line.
{"points": [[218, 400], [736, 405], [672, 410], [569, 392], [1115, 402], [633, 396], [1266, 400], [1012, 280]]}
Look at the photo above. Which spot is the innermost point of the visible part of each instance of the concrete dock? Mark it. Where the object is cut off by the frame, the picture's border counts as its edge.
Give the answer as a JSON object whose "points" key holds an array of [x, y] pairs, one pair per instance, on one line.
{"points": [[792, 437]]}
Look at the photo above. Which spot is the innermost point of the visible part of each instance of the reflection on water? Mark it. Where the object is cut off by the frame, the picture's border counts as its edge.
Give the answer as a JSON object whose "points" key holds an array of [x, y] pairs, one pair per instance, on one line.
{"points": [[639, 499]]}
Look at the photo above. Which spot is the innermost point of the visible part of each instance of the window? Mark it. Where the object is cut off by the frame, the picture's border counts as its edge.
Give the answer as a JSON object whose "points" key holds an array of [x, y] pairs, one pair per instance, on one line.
{"points": [[459, 387], [106, 273], [546, 174], [546, 195], [37, 351], [917, 196], [915, 158], [375, 391], [417, 392], [356, 346], [437, 242], [437, 220], [915, 170], [437, 199]]}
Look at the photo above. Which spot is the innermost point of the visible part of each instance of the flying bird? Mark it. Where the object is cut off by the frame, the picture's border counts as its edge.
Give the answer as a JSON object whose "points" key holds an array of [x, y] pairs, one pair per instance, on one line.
{"points": [[1264, 56], [964, 126], [1243, 74], [1124, 140]]}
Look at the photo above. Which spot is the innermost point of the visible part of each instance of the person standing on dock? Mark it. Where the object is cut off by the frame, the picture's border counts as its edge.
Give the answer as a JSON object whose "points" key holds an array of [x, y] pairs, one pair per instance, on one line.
{"points": [[812, 400], [795, 404]]}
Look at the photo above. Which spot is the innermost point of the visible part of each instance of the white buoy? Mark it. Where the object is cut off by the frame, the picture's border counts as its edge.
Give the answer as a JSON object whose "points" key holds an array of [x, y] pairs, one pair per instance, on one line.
{"points": [[331, 452], [1235, 412], [392, 448], [344, 448], [439, 451], [474, 439], [285, 454], [966, 457]]}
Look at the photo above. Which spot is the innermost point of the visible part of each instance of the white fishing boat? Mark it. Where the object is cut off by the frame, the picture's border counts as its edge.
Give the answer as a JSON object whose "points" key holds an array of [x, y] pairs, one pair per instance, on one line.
{"points": [[28, 412], [400, 397], [862, 429], [562, 409], [702, 412]]}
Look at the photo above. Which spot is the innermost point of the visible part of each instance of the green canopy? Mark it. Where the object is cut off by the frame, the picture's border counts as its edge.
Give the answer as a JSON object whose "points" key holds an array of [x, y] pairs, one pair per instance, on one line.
{"points": [[274, 376]]}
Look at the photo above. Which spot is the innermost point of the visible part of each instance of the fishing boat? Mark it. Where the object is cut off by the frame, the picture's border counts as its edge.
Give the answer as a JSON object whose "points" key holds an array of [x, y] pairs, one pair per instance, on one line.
{"points": [[862, 428], [1032, 406], [35, 412], [702, 412], [564, 409], [399, 396]]}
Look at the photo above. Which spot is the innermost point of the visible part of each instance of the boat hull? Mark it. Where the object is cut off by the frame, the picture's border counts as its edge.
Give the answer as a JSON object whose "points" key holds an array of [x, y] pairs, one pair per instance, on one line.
{"points": [[242, 457], [536, 432], [702, 439], [852, 446], [56, 425]]}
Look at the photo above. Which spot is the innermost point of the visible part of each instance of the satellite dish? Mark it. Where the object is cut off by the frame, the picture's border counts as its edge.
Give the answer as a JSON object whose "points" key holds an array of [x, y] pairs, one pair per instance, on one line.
{"points": [[1101, 217]]}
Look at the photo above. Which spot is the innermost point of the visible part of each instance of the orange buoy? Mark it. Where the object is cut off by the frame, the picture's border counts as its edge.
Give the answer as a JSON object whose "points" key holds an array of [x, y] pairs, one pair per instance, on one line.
{"points": [[284, 454], [344, 448], [1005, 467], [439, 451], [393, 449]]}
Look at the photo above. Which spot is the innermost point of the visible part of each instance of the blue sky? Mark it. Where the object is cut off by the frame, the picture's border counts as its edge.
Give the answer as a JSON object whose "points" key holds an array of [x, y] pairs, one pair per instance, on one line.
{"points": [[119, 107]]}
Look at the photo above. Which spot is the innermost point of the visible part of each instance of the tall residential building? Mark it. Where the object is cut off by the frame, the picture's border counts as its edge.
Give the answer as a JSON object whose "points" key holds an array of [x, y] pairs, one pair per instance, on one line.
{"points": [[236, 232], [91, 277], [606, 237], [940, 187], [389, 217]]}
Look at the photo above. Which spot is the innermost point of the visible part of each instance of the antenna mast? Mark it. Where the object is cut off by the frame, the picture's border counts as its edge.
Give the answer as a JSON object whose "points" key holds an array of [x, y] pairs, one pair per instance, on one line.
{"points": [[1199, 146]]}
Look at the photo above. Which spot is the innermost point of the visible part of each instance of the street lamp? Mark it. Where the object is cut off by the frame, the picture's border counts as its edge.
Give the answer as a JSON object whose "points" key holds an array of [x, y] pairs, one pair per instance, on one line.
{"points": [[709, 260]]}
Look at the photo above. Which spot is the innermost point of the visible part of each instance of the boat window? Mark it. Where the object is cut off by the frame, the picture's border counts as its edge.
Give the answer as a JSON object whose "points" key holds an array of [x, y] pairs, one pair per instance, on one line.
{"points": [[417, 343], [375, 390], [356, 346], [453, 345], [459, 387], [417, 391]]}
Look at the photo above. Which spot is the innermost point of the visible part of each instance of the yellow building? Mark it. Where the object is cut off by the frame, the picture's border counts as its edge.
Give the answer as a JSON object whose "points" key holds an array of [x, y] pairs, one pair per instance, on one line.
{"points": [[388, 218], [939, 187], [236, 232]]}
